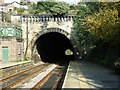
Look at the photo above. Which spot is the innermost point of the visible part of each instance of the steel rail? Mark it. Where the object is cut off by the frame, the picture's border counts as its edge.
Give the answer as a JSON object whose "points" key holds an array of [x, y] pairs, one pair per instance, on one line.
{"points": [[24, 78], [20, 73], [37, 86]]}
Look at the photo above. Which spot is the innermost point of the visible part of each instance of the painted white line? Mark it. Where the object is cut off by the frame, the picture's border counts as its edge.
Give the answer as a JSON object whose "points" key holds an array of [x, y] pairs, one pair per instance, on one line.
{"points": [[63, 86]]}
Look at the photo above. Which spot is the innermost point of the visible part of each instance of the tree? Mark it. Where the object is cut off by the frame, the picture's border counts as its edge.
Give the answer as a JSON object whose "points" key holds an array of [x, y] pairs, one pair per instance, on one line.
{"points": [[49, 7], [45, 6], [84, 39], [104, 24], [72, 7], [97, 25], [19, 10], [33, 9], [104, 27], [59, 9], [7, 17], [93, 6]]}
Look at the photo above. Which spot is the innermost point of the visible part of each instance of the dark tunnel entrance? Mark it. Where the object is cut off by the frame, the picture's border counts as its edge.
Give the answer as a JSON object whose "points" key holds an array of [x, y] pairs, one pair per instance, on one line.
{"points": [[52, 47]]}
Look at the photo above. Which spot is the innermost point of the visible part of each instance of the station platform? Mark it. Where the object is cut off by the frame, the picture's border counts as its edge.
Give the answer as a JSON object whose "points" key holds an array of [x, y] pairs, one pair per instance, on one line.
{"points": [[86, 75], [8, 64], [74, 77]]}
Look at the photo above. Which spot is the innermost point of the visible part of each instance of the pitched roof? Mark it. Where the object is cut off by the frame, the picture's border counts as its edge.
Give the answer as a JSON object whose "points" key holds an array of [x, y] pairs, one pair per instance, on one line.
{"points": [[5, 4]]}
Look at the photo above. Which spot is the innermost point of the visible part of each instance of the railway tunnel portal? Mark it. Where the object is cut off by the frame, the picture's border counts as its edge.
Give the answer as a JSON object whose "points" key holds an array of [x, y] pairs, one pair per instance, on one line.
{"points": [[48, 37], [54, 46]]}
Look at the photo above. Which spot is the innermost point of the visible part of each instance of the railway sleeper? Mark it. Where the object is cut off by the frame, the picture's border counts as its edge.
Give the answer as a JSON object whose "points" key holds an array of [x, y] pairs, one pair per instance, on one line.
{"points": [[54, 79]]}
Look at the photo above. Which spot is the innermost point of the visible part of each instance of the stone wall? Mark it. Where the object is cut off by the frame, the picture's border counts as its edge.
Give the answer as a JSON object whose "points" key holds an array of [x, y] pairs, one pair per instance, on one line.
{"points": [[12, 70], [36, 24], [15, 48]]}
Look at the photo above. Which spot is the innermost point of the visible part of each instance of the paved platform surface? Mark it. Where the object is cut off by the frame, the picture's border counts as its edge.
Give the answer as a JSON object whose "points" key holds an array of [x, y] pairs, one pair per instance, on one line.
{"points": [[8, 64], [87, 75]]}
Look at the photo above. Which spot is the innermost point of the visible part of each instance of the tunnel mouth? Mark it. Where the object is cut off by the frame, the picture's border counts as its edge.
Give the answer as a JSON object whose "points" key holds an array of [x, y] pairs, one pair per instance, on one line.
{"points": [[52, 48]]}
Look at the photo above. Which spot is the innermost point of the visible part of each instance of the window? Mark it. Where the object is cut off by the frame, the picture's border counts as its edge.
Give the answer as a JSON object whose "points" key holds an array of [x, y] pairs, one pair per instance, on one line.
{"points": [[1, 9], [10, 10]]}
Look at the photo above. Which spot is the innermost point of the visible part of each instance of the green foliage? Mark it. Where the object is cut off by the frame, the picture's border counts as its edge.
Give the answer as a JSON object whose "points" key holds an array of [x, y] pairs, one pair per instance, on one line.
{"points": [[45, 6], [73, 7], [103, 25], [60, 8], [25, 59], [41, 7], [19, 10], [94, 6], [33, 8], [7, 17], [80, 30], [97, 26], [49, 7], [19, 60]]}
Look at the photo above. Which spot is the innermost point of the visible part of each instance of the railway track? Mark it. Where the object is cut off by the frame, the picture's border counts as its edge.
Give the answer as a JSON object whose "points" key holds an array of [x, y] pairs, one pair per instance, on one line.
{"points": [[40, 78], [46, 76], [20, 73], [18, 79], [53, 80]]}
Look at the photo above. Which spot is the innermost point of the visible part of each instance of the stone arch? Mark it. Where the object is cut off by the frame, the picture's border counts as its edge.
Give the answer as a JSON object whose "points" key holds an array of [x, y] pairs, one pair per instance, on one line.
{"points": [[44, 31]]}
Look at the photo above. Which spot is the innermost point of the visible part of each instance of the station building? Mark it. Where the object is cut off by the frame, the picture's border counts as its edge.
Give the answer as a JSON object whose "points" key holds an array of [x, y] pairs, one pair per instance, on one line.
{"points": [[11, 44]]}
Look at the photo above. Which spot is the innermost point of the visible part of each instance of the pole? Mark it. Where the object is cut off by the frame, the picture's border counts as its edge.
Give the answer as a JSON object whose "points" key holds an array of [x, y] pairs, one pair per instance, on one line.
{"points": [[26, 37]]}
